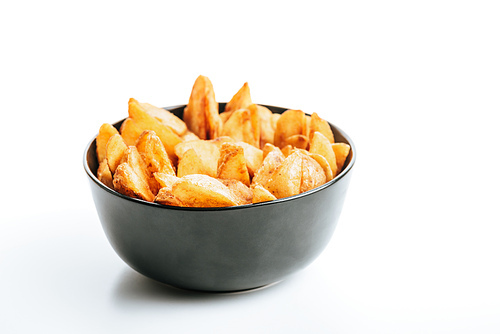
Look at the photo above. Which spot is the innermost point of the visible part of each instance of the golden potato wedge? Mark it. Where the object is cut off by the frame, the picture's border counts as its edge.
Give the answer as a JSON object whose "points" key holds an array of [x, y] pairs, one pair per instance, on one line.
{"points": [[144, 121], [268, 147], [199, 190], [115, 149], [267, 126], [290, 123], [192, 163], [154, 154], [207, 152], [166, 118], [130, 131], [313, 174], [261, 194], [317, 124], [165, 180], [341, 152], [297, 141], [240, 191], [202, 112], [166, 197], [232, 164], [286, 179], [240, 127], [240, 100], [321, 145], [128, 183], [324, 164], [104, 174], [105, 132], [271, 162], [287, 150], [188, 135], [133, 158], [253, 157]]}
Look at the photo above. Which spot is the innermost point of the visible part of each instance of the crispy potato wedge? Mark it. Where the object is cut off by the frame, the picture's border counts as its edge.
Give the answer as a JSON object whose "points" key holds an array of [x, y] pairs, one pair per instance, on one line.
{"points": [[271, 162], [115, 149], [286, 179], [253, 157], [297, 141], [144, 121], [202, 112], [128, 183], [267, 125], [166, 118], [341, 151], [165, 180], [232, 164], [133, 158], [321, 160], [130, 131], [287, 150], [317, 124], [240, 100], [261, 194], [240, 191], [104, 174], [106, 131], [240, 127], [154, 154], [207, 152], [313, 174], [192, 163], [290, 123], [321, 145], [166, 197], [199, 190]]}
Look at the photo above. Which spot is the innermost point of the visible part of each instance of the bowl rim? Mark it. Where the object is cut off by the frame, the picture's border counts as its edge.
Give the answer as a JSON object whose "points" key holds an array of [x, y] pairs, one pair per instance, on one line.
{"points": [[235, 207]]}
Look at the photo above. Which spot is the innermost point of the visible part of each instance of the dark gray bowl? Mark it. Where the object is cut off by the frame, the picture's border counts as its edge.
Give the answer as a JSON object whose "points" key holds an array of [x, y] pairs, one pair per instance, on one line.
{"points": [[221, 249]]}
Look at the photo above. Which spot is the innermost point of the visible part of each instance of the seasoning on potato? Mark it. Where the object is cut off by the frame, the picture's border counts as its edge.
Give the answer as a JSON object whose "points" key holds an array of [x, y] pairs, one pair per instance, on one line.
{"points": [[247, 154]]}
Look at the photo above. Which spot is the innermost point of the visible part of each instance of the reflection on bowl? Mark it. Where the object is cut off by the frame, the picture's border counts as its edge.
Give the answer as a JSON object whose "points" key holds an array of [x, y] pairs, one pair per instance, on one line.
{"points": [[221, 249]]}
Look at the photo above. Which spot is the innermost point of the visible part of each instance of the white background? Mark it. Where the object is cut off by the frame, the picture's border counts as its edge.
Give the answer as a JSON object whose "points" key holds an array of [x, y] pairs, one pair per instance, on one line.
{"points": [[414, 83]]}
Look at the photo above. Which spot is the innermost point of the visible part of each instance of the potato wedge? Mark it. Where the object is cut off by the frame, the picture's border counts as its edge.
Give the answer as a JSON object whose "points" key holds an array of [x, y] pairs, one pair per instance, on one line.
{"points": [[290, 123], [313, 174], [240, 191], [104, 174], [341, 152], [317, 124], [232, 164], [166, 197], [324, 164], [165, 180], [261, 194], [144, 121], [240, 100], [192, 163], [297, 141], [253, 157], [207, 153], [130, 131], [286, 179], [242, 125], [199, 190], [115, 149], [154, 154], [166, 118], [105, 132], [321, 145], [267, 125], [202, 112], [270, 163], [287, 150], [128, 183], [188, 135], [133, 158]]}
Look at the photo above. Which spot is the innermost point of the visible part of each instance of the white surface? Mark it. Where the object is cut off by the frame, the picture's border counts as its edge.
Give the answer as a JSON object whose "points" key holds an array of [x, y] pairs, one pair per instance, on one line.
{"points": [[415, 84]]}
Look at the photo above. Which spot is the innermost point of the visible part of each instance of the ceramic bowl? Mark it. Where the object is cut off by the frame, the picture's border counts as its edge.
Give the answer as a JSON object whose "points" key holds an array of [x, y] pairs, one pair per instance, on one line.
{"points": [[221, 249]]}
